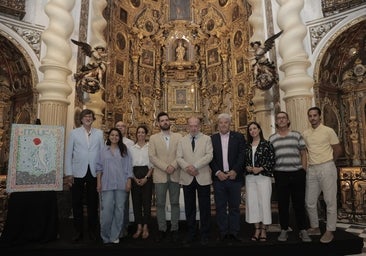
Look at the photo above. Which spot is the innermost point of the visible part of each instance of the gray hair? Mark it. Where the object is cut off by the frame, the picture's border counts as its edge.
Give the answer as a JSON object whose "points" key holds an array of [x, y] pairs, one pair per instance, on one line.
{"points": [[224, 116]]}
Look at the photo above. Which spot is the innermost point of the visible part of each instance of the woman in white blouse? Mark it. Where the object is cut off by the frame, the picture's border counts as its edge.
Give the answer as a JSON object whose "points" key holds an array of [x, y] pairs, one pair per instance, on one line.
{"points": [[142, 184]]}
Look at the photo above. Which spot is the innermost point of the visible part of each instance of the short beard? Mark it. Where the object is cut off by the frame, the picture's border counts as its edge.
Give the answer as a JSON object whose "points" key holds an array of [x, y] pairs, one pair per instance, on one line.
{"points": [[165, 128]]}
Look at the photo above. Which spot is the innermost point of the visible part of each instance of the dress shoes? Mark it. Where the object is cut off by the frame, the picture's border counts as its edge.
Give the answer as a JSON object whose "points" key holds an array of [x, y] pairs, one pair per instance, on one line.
{"points": [[160, 236], [77, 237], [235, 238], [204, 241], [223, 238], [174, 236]]}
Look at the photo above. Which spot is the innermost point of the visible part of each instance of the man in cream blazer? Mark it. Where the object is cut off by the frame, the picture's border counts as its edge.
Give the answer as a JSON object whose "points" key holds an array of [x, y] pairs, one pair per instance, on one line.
{"points": [[162, 154], [194, 154], [82, 150]]}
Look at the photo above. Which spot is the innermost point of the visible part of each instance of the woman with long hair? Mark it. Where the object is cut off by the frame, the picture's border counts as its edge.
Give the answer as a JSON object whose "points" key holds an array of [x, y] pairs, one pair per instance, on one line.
{"points": [[259, 159], [114, 173]]}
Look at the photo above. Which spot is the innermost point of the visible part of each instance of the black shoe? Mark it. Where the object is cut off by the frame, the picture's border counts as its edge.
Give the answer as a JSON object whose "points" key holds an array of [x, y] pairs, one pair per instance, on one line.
{"points": [[77, 237], [92, 235], [174, 236], [235, 238], [160, 236], [204, 241], [223, 238]]}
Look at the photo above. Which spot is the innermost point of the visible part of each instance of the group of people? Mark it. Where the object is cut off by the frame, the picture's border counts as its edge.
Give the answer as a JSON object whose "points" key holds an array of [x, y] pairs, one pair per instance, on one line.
{"points": [[302, 165]]}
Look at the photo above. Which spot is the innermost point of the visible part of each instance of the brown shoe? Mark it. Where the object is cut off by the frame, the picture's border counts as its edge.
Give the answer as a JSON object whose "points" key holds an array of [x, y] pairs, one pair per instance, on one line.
{"points": [[314, 232], [327, 237]]}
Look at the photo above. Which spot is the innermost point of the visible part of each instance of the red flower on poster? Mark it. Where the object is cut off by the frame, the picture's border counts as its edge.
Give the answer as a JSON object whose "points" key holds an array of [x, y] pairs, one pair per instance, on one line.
{"points": [[37, 141]]}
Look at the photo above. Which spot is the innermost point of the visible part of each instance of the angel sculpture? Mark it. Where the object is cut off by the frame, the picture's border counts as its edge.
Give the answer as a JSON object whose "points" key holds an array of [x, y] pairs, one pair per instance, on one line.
{"points": [[265, 75], [90, 76]]}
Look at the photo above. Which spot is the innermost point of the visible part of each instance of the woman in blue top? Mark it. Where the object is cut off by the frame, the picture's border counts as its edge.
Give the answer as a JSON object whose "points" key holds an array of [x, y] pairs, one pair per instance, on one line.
{"points": [[114, 173]]}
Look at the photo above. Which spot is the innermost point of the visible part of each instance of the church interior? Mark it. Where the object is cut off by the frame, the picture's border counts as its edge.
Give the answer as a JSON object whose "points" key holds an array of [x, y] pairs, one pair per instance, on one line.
{"points": [[248, 58]]}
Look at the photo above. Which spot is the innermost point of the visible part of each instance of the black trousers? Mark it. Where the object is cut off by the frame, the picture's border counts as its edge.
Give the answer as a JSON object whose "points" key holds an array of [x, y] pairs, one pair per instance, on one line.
{"points": [[291, 185], [204, 204], [85, 187], [141, 201]]}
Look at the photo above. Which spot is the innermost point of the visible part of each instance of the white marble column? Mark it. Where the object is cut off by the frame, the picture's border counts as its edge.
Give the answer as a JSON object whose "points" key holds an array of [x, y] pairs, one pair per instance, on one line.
{"points": [[262, 100], [98, 24], [296, 83], [54, 88]]}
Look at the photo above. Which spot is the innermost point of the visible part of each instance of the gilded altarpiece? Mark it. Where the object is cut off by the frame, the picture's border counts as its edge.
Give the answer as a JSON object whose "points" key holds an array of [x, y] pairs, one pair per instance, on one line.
{"points": [[183, 57]]}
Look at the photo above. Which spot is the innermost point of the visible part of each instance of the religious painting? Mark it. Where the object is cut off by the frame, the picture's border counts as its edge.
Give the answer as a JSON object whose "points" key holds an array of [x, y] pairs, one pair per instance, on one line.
{"points": [[241, 89], [36, 158], [119, 92], [123, 15], [121, 41], [239, 65], [120, 66], [213, 57], [181, 96], [242, 117], [147, 58], [180, 10], [235, 14], [238, 39], [210, 25]]}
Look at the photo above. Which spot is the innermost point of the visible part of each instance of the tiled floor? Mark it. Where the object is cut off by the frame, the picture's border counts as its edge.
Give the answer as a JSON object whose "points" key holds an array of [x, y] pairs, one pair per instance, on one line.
{"points": [[358, 230]]}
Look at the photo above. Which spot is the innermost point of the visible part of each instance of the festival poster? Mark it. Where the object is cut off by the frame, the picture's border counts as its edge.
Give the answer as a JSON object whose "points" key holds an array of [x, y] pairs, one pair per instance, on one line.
{"points": [[36, 158]]}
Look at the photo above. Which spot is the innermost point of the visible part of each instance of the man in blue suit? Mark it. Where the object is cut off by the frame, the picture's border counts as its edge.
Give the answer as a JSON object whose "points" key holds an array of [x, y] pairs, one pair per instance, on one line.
{"points": [[82, 151], [227, 168]]}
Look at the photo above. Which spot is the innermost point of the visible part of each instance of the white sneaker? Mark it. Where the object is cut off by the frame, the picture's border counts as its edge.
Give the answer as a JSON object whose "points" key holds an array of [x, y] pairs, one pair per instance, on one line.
{"points": [[283, 236], [116, 241], [304, 236]]}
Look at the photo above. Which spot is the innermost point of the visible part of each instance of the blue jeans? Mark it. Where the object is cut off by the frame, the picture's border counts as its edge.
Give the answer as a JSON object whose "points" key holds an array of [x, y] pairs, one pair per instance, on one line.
{"points": [[111, 214], [160, 192]]}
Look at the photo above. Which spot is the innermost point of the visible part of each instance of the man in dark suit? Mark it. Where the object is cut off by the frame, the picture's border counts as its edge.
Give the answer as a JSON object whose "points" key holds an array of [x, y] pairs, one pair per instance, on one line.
{"points": [[227, 168]]}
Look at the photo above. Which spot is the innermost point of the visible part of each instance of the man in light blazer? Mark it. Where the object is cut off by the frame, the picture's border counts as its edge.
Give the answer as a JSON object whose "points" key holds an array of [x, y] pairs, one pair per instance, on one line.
{"points": [[84, 145], [163, 154], [227, 167], [194, 154]]}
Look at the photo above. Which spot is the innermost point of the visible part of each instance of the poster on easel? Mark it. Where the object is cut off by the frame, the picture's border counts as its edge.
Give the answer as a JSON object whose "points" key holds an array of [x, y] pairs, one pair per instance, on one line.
{"points": [[36, 158]]}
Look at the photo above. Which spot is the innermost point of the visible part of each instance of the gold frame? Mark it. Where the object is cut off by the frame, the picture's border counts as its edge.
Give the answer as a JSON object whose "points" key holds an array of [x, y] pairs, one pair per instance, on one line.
{"points": [[213, 57], [187, 104], [147, 58], [239, 65]]}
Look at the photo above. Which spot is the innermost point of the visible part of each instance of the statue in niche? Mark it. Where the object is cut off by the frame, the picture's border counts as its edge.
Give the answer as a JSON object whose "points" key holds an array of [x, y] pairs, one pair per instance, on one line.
{"points": [[264, 71], [90, 76], [180, 51]]}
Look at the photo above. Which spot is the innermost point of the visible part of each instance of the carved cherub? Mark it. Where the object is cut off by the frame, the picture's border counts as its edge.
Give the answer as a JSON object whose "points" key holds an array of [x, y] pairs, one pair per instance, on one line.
{"points": [[265, 74], [93, 72]]}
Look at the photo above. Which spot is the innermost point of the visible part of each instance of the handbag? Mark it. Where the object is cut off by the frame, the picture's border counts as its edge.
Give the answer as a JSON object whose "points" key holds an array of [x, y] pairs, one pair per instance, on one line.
{"points": [[140, 171]]}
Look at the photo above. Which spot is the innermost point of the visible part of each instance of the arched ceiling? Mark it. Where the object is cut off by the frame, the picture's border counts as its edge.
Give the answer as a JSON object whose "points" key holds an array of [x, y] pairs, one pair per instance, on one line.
{"points": [[345, 54]]}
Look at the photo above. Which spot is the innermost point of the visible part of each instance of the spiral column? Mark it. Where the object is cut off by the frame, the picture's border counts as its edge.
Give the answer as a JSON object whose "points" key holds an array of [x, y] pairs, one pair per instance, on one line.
{"points": [[54, 88], [296, 83]]}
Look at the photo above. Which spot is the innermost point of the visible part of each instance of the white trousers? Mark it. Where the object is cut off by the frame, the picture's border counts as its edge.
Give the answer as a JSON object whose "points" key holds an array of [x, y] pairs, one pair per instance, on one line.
{"points": [[322, 178], [258, 199]]}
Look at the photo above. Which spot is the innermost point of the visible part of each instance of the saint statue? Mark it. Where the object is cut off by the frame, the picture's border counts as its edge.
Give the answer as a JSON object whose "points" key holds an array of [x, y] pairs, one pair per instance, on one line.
{"points": [[180, 51]]}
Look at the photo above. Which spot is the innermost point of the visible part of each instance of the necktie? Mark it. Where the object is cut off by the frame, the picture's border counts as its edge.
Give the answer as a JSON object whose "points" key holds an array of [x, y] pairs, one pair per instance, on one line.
{"points": [[193, 143]]}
